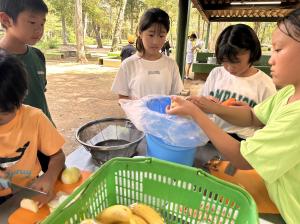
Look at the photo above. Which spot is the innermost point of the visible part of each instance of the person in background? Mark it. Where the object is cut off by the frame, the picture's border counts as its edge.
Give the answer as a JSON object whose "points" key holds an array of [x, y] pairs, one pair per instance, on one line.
{"points": [[192, 45], [273, 151], [166, 48], [129, 49], [149, 72], [23, 21], [25, 130]]}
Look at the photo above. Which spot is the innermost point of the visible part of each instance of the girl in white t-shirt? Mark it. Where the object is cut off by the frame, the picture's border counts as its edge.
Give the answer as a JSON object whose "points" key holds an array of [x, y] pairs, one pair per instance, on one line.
{"points": [[237, 48], [148, 72]]}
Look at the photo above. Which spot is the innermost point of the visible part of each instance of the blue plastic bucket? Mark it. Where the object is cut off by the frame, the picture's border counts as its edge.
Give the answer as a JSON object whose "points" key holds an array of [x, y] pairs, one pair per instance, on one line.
{"points": [[159, 104], [159, 149]]}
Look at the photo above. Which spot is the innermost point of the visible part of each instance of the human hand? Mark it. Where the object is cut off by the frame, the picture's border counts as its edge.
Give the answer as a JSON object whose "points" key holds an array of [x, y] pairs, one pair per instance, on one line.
{"points": [[181, 107], [240, 104], [3, 180], [44, 183], [207, 104]]}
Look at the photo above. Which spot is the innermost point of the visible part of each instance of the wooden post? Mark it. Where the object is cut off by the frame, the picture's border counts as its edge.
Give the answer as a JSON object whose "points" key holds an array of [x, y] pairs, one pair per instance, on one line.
{"points": [[182, 33]]}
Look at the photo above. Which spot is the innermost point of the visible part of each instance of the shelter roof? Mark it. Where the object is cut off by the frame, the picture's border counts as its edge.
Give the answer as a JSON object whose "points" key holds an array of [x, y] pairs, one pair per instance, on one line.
{"points": [[242, 10]]}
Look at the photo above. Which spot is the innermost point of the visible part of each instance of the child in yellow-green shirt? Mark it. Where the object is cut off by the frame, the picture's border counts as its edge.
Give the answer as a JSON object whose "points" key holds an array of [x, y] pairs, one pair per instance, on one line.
{"points": [[274, 150]]}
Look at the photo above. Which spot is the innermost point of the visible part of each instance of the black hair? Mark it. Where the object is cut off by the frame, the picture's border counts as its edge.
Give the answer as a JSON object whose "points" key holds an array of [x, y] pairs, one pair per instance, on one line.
{"points": [[14, 7], [13, 82], [151, 16], [193, 36], [291, 23], [235, 39]]}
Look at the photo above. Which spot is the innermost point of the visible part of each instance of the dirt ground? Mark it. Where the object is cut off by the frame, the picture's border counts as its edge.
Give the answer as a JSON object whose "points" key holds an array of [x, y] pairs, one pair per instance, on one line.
{"points": [[77, 94]]}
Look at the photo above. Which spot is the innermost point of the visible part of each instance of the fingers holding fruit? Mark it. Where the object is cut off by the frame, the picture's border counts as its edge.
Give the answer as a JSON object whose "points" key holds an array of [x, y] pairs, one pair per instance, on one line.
{"points": [[234, 102], [179, 106], [229, 102], [43, 184]]}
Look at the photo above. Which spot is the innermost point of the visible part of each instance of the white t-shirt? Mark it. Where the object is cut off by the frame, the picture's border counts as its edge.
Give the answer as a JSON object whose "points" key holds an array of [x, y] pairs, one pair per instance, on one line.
{"points": [[138, 77], [190, 44], [189, 50], [251, 90]]}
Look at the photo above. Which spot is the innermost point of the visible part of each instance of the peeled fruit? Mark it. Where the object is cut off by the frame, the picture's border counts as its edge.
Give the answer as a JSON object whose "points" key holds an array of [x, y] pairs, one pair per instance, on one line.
{"points": [[29, 205], [70, 175], [115, 214], [147, 213], [59, 198]]}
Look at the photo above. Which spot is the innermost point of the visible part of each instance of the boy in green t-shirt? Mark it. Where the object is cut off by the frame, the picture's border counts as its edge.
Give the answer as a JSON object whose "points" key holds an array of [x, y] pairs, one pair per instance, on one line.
{"points": [[23, 21]]}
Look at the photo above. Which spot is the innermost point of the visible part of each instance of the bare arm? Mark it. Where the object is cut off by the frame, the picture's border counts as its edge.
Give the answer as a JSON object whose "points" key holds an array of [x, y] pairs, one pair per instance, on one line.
{"points": [[238, 115], [47, 181], [226, 144], [56, 164]]}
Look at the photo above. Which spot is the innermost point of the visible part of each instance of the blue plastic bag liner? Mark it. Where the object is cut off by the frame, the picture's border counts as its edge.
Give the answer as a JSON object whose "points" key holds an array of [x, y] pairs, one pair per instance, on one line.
{"points": [[148, 115]]}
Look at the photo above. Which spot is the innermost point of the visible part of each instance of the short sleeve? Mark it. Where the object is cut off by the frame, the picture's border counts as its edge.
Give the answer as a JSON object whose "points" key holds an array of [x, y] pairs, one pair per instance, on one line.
{"points": [[177, 85], [120, 84], [208, 85], [263, 110], [274, 149], [49, 139]]}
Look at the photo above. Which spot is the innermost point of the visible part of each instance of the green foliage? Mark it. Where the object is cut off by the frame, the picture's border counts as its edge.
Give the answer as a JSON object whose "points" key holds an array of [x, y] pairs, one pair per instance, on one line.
{"points": [[49, 43], [103, 13]]}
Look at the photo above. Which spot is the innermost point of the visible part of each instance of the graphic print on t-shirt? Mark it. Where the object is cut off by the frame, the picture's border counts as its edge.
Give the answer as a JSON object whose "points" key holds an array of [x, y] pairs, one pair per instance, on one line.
{"points": [[153, 72], [224, 95], [7, 162]]}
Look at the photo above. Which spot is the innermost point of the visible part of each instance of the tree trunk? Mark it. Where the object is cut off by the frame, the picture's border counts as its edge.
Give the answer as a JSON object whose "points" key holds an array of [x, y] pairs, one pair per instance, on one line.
{"points": [[214, 37], [203, 30], [85, 25], [256, 27], [198, 26], [97, 31], [131, 20], [118, 26], [64, 29], [262, 37], [79, 32]]}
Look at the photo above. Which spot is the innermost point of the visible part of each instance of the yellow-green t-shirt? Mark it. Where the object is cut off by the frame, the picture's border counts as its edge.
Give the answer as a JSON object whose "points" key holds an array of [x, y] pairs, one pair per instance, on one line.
{"points": [[20, 139], [274, 151]]}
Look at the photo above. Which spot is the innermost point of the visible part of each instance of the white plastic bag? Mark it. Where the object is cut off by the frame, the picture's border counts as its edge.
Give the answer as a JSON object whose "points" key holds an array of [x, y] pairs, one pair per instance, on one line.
{"points": [[148, 115]]}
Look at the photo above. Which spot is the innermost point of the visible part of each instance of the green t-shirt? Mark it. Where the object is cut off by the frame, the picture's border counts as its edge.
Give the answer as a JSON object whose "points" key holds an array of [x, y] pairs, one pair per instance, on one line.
{"points": [[274, 151], [36, 80]]}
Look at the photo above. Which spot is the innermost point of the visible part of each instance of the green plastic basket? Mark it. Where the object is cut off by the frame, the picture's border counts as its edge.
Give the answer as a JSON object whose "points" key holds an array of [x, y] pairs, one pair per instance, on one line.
{"points": [[181, 194]]}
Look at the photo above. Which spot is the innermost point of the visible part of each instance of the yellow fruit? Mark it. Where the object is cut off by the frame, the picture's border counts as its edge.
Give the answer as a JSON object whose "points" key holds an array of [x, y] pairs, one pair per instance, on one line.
{"points": [[55, 202], [173, 104], [70, 175], [115, 214], [147, 213], [29, 205], [89, 221], [138, 219]]}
